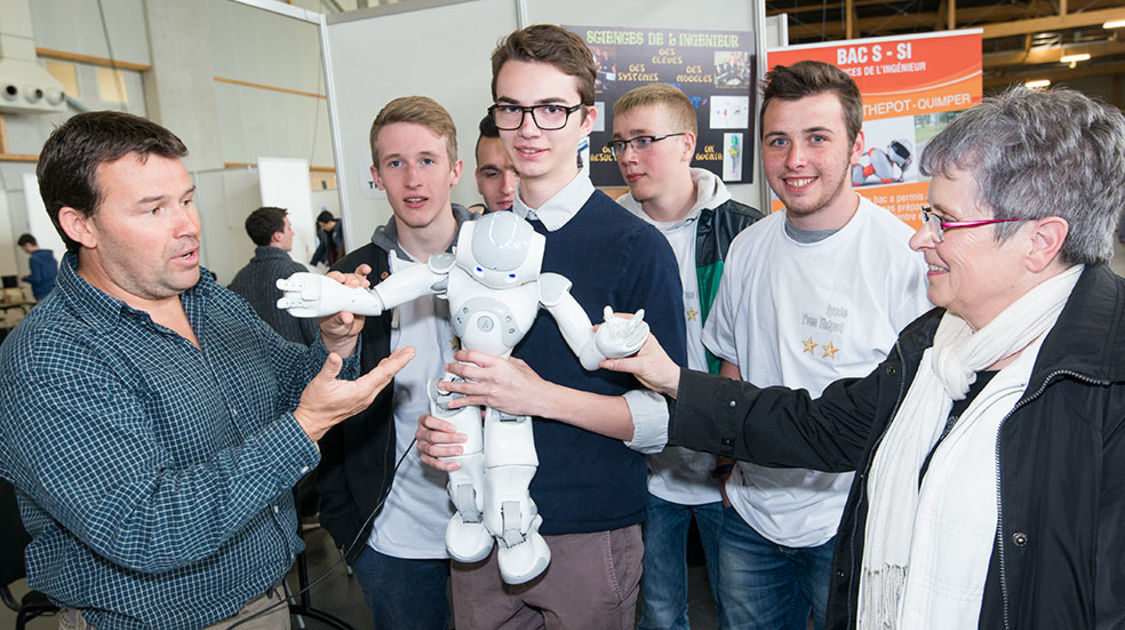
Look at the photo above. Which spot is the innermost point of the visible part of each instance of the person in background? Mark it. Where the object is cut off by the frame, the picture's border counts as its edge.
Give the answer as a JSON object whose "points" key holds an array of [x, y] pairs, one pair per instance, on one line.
{"points": [[44, 267], [272, 233], [654, 133], [330, 239], [495, 175]]}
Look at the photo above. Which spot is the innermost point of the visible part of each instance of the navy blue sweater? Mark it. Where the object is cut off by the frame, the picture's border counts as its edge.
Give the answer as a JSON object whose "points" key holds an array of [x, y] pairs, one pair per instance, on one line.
{"points": [[44, 270], [586, 482]]}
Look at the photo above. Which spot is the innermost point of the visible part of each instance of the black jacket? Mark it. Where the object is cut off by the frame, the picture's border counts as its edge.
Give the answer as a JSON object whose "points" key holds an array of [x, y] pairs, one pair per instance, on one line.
{"points": [[357, 456], [1059, 556]]}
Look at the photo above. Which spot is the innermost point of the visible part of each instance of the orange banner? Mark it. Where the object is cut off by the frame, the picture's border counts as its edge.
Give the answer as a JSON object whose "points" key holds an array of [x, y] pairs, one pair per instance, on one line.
{"points": [[903, 76]]}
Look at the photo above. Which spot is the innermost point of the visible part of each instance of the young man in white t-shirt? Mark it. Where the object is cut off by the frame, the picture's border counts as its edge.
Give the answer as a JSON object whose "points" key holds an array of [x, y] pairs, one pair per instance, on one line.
{"points": [[812, 294], [399, 557], [654, 132]]}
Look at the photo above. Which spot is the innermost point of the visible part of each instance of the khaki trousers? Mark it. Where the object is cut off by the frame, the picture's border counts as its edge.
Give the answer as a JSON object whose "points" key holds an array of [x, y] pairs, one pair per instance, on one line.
{"points": [[275, 619]]}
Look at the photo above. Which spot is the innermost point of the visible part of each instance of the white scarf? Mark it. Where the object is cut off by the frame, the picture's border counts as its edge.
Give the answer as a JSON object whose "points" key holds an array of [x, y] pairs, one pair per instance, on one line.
{"points": [[894, 561]]}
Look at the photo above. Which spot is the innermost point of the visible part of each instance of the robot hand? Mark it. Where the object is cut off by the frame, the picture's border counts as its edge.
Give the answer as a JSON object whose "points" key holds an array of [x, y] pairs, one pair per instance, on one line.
{"points": [[314, 295], [619, 336]]}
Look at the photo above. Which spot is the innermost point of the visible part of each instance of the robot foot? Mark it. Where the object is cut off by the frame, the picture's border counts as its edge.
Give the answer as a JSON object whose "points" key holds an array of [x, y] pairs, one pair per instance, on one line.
{"points": [[467, 542], [524, 561]]}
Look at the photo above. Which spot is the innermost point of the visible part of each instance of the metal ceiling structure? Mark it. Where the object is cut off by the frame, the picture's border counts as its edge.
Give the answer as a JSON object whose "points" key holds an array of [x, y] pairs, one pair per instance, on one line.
{"points": [[1023, 40]]}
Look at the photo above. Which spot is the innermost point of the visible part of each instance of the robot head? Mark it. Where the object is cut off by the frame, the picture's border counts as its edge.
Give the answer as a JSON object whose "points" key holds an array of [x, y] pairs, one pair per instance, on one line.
{"points": [[502, 251], [901, 152]]}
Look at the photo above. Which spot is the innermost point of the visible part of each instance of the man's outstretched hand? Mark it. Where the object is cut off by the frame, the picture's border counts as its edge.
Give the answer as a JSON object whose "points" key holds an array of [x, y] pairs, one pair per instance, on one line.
{"points": [[327, 401]]}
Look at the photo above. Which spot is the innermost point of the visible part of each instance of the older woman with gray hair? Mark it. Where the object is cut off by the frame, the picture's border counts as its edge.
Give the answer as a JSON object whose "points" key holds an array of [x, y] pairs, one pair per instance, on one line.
{"points": [[989, 446]]}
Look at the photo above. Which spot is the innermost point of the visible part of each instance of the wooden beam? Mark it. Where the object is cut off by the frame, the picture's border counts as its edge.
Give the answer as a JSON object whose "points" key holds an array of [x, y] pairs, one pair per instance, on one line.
{"points": [[312, 169], [951, 21], [886, 24], [849, 19], [826, 7], [1003, 20], [1054, 23], [97, 61], [1062, 74], [1051, 55], [262, 86]]}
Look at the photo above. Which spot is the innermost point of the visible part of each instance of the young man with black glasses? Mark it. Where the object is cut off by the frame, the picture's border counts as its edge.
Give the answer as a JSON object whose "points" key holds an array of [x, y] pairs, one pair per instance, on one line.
{"points": [[590, 490]]}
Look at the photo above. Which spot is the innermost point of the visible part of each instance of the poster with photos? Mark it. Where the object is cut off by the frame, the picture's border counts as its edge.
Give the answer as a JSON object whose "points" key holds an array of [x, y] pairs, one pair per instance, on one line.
{"points": [[715, 69]]}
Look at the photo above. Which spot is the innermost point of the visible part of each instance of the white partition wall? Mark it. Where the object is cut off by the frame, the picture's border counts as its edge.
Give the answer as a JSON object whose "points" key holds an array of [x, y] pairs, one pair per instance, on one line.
{"points": [[285, 184], [376, 55], [441, 50], [39, 224]]}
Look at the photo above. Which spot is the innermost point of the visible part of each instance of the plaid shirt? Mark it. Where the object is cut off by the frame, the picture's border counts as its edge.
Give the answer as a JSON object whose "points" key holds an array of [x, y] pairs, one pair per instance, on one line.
{"points": [[154, 478]]}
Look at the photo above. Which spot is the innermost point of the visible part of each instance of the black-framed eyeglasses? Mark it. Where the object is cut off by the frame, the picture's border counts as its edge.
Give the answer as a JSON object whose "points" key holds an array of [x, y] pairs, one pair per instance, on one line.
{"points": [[938, 227], [547, 117], [639, 143]]}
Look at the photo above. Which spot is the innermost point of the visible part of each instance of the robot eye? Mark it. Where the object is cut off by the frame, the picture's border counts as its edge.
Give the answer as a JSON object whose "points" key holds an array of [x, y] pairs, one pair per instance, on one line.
{"points": [[512, 276], [511, 279], [478, 271]]}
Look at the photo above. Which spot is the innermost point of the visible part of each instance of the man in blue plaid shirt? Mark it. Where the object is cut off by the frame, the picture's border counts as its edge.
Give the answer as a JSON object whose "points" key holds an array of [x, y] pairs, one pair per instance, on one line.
{"points": [[151, 423]]}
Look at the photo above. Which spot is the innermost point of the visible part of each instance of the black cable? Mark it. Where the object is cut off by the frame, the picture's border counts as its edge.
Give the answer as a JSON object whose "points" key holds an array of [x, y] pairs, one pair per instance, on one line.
{"points": [[124, 93], [344, 552]]}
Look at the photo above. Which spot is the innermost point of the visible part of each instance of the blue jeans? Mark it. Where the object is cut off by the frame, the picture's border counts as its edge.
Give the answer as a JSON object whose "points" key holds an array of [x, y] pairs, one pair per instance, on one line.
{"points": [[404, 593], [767, 586], [664, 582]]}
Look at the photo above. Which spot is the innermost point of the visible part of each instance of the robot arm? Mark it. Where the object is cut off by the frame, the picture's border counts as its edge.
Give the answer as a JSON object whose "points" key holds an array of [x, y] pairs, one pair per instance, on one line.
{"points": [[314, 295], [617, 337]]}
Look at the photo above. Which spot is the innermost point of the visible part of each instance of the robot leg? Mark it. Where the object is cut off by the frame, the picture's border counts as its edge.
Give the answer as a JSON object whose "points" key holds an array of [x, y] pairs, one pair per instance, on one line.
{"points": [[466, 537], [509, 513]]}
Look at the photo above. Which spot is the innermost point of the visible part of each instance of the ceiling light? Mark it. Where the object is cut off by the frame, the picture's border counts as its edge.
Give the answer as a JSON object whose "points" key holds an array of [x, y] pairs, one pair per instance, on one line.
{"points": [[1037, 83], [1112, 24], [1074, 58]]}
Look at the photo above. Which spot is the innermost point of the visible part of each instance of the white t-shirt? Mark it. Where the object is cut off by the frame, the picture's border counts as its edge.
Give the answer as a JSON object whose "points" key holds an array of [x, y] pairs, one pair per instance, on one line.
{"points": [[804, 315], [412, 523]]}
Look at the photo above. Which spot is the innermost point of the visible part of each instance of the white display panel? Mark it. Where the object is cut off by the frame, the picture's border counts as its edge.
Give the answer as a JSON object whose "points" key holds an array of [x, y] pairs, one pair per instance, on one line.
{"points": [[284, 183]]}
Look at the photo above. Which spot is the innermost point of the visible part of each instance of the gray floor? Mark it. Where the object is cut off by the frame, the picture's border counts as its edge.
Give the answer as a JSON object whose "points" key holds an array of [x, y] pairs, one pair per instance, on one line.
{"points": [[339, 594]]}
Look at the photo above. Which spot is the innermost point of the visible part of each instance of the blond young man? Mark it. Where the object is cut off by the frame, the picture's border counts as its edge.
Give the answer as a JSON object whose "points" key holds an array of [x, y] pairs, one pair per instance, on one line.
{"points": [[654, 134], [400, 556]]}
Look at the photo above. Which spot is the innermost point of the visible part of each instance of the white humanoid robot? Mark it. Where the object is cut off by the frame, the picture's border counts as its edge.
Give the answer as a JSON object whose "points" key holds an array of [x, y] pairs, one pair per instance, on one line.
{"points": [[879, 166], [495, 289]]}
